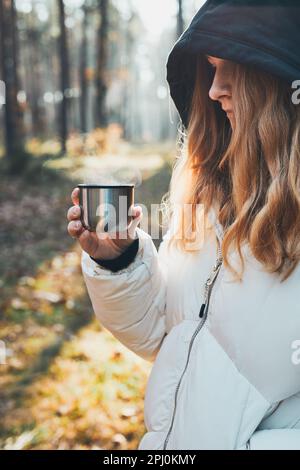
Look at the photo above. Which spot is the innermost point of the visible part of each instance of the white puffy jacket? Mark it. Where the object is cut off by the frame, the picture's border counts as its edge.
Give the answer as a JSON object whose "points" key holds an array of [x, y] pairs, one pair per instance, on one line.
{"points": [[228, 380]]}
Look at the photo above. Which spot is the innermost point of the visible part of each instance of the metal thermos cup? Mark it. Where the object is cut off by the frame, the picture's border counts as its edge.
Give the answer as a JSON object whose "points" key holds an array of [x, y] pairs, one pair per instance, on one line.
{"points": [[106, 208]]}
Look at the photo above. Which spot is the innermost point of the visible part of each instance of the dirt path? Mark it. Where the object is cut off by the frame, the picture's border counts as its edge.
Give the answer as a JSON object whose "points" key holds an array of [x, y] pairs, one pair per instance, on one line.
{"points": [[67, 383]]}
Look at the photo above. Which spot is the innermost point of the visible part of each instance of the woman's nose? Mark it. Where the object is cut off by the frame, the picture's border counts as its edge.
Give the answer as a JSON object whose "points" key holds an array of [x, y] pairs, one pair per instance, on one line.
{"points": [[219, 89]]}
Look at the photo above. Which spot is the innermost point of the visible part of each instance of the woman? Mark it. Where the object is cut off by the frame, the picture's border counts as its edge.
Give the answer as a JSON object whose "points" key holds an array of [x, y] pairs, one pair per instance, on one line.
{"points": [[219, 317]]}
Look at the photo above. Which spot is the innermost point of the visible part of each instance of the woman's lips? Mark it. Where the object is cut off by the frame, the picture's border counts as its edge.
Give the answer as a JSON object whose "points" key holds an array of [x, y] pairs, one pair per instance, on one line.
{"points": [[228, 111]]}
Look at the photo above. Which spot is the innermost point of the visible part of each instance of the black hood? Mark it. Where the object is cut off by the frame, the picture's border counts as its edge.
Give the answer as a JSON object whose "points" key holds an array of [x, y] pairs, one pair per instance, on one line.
{"points": [[264, 33]]}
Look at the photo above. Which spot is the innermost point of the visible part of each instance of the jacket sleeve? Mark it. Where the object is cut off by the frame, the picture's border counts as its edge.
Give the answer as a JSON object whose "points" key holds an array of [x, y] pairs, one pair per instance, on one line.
{"points": [[274, 439], [280, 430], [131, 303]]}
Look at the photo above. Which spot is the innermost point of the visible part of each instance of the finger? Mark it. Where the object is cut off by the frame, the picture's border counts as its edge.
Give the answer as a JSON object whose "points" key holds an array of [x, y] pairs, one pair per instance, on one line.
{"points": [[73, 213], [75, 228], [75, 196], [138, 214], [135, 222], [135, 211]]}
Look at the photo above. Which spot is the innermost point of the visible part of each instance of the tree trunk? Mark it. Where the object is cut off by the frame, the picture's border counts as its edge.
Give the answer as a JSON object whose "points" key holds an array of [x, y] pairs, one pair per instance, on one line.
{"points": [[102, 46], [13, 116], [180, 22], [64, 76], [34, 79], [83, 77]]}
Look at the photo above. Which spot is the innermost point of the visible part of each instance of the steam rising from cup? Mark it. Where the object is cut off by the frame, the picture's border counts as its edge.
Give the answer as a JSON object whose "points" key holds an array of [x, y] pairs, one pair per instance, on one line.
{"points": [[123, 175]]}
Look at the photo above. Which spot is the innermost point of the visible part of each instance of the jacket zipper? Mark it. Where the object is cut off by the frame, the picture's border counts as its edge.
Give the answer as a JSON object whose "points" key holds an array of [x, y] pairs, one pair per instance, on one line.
{"points": [[203, 315], [210, 282]]}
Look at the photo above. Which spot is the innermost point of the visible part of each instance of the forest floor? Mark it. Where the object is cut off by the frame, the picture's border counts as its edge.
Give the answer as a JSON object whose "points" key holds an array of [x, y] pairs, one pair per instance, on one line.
{"points": [[66, 383]]}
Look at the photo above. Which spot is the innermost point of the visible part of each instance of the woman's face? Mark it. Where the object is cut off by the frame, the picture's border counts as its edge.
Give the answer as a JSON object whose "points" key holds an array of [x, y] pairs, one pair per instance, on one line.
{"points": [[221, 86]]}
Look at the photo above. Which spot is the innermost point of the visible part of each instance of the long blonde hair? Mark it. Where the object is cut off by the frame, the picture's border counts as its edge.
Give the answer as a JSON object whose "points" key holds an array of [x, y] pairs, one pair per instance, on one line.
{"points": [[251, 173]]}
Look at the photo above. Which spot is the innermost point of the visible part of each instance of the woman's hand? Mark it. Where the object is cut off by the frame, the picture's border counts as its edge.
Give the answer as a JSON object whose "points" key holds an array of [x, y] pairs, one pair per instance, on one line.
{"points": [[100, 247]]}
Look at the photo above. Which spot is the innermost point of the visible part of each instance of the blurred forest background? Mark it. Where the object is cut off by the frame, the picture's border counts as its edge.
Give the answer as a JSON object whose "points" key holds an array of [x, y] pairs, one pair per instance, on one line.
{"points": [[83, 95]]}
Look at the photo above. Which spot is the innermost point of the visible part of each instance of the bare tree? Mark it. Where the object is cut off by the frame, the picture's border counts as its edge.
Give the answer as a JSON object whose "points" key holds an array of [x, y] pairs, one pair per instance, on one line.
{"points": [[13, 116], [64, 75], [83, 66], [102, 48], [33, 69], [180, 21]]}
